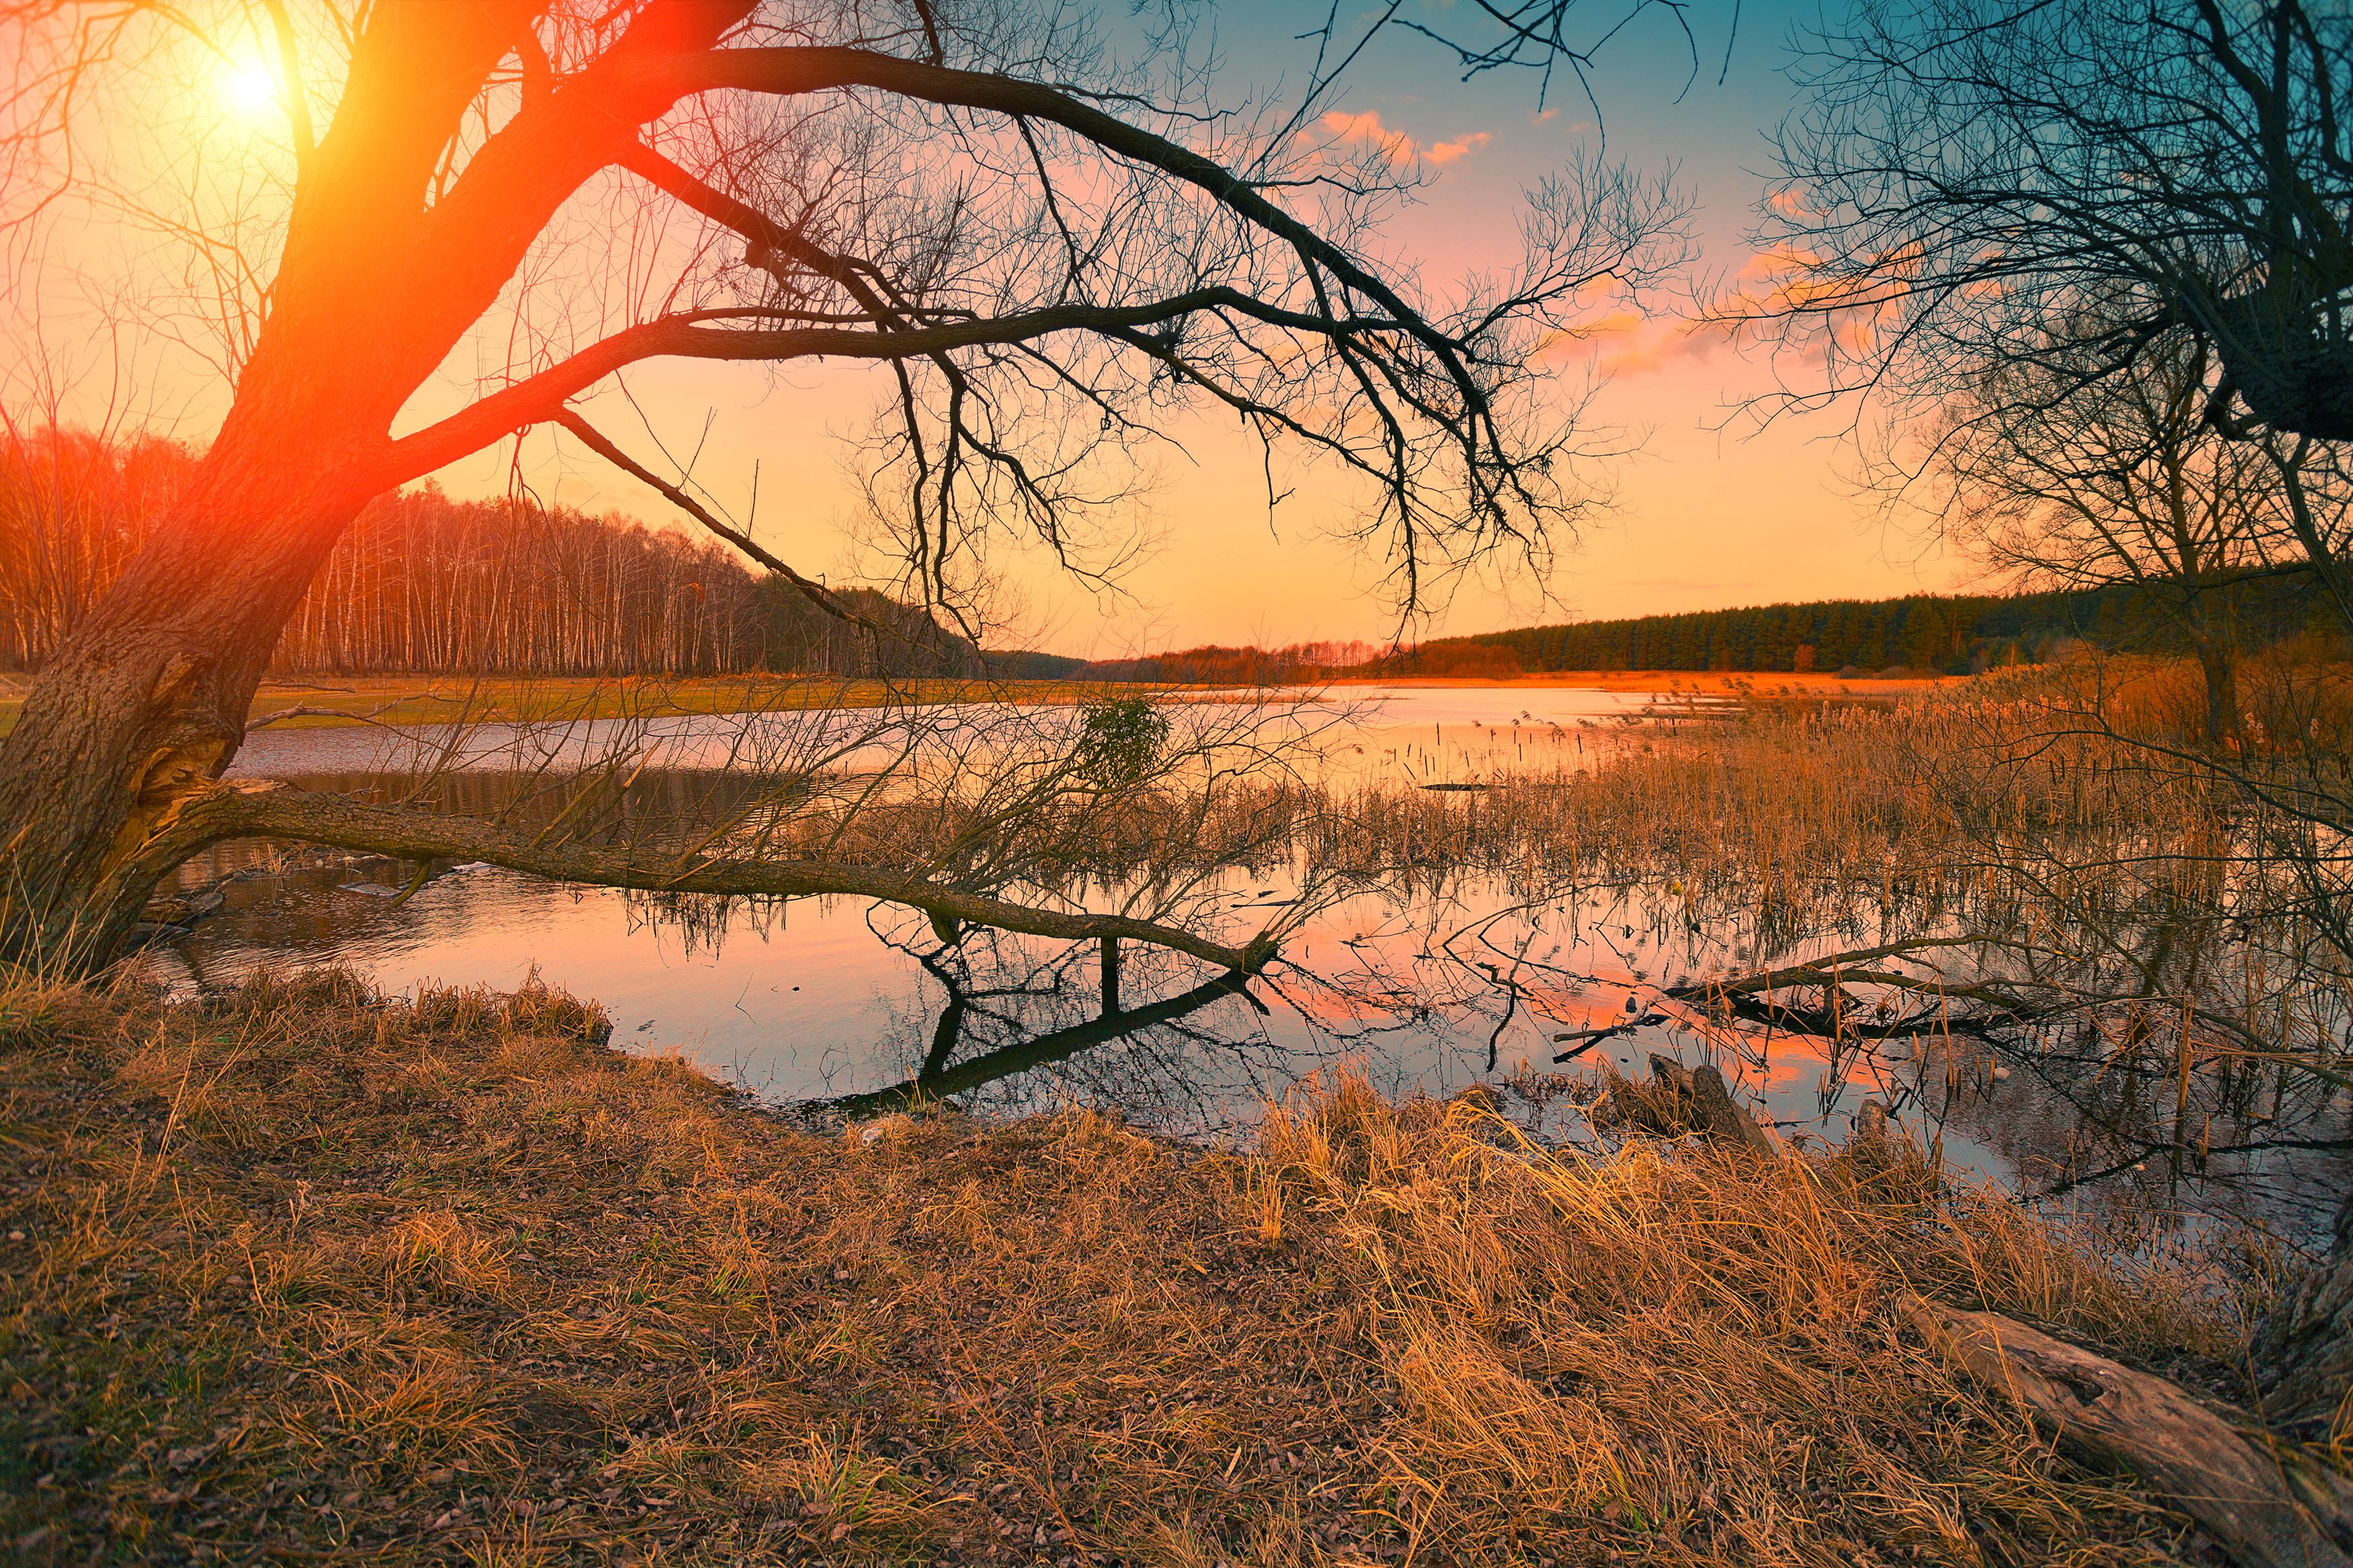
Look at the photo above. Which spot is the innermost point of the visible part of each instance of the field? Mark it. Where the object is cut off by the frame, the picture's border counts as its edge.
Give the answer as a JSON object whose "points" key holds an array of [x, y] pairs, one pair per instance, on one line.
{"points": [[301, 1273]]}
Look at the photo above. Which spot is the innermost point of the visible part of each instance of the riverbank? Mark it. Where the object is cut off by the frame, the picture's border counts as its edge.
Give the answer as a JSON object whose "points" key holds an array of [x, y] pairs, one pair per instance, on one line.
{"points": [[300, 1271]]}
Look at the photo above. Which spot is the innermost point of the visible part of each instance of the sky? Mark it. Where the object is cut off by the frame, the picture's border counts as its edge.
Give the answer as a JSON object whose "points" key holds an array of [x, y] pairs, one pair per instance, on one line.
{"points": [[1707, 509]]}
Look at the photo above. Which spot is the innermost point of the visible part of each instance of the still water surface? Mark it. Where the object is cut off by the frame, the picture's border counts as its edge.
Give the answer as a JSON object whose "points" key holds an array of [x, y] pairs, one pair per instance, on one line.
{"points": [[830, 1006]]}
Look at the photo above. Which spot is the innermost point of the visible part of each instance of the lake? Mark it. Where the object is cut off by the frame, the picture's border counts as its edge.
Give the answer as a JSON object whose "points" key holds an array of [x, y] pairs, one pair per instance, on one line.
{"points": [[1445, 980]]}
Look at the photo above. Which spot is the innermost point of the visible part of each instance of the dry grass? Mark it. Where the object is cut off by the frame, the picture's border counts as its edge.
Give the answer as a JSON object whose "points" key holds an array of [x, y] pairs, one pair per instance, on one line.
{"points": [[304, 1273]]}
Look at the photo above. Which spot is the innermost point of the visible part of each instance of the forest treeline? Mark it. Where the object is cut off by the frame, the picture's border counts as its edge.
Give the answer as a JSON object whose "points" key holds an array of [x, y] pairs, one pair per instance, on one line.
{"points": [[1212, 664], [431, 584], [1931, 633], [1941, 634], [428, 584]]}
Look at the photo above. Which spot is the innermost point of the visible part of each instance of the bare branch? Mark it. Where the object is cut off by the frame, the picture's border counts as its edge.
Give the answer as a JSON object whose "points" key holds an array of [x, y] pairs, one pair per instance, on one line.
{"points": [[282, 811]]}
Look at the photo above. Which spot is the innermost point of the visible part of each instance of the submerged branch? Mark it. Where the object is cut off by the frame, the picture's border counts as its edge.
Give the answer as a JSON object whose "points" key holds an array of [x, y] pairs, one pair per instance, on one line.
{"points": [[282, 811]]}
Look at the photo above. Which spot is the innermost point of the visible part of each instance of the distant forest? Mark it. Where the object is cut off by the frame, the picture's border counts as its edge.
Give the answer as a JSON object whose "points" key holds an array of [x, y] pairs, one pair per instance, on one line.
{"points": [[1929, 633], [430, 585], [1947, 634], [1211, 664], [427, 584]]}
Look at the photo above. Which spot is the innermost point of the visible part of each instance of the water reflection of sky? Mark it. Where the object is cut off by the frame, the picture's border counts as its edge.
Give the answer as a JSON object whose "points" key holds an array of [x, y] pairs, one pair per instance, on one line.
{"points": [[1406, 732], [821, 998]]}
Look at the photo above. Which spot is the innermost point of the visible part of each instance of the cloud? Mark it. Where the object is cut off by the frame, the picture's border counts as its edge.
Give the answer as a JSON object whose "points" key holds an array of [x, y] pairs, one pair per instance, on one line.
{"points": [[1398, 147], [1461, 146], [1779, 295], [1367, 127], [1787, 280], [1661, 345], [1622, 342], [1787, 292]]}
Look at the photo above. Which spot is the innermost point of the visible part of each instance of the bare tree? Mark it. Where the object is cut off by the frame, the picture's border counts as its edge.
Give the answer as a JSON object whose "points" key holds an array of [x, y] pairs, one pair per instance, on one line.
{"points": [[1964, 180], [1045, 249], [2092, 483], [2032, 203]]}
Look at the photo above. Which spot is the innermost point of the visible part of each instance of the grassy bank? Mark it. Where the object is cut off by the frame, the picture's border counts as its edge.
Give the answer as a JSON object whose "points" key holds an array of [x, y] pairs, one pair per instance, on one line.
{"points": [[301, 1273], [1705, 682]]}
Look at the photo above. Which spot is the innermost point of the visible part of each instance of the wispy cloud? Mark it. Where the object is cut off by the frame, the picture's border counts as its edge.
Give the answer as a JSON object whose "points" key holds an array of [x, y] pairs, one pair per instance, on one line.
{"points": [[1366, 128], [1461, 146], [1621, 340]]}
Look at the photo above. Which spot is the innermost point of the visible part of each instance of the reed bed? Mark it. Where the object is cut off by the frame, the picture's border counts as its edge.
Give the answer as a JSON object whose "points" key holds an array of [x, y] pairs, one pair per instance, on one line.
{"points": [[1793, 794], [303, 1271], [1801, 805]]}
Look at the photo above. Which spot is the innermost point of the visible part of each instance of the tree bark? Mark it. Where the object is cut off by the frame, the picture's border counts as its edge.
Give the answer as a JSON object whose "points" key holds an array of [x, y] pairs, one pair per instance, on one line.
{"points": [[2303, 1353], [2263, 1514], [147, 701], [2220, 672]]}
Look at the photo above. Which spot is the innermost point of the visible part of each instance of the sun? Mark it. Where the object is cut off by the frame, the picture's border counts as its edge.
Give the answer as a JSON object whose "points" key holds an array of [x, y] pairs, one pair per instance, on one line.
{"points": [[247, 91]]}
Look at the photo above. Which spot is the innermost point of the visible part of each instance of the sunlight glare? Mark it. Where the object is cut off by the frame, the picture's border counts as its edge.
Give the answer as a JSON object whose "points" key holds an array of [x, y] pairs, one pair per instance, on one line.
{"points": [[248, 91]]}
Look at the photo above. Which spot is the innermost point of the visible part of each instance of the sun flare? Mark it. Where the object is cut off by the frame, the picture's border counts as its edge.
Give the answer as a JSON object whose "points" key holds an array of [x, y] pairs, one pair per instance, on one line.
{"points": [[246, 90]]}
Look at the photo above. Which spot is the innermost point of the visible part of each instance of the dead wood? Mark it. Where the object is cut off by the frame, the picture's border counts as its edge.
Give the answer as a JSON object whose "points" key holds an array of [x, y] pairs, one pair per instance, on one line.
{"points": [[2304, 1355], [1724, 1119], [2261, 1512], [1679, 1099], [240, 810]]}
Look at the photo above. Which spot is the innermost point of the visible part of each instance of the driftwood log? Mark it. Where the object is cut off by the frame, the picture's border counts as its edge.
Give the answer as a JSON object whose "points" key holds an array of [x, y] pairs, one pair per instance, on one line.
{"points": [[2264, 1508], [1725, 1120], [2304, 1355]]}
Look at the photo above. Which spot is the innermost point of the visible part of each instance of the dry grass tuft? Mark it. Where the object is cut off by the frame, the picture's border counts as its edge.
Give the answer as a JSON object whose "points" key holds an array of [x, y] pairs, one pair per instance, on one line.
{"points": [[303, 1272]]}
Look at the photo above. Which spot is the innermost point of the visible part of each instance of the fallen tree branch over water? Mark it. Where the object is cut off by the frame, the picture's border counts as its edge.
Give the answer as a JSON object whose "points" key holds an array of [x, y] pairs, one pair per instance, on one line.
{"points": [[1752, 996], [2001, 1005], [244, 810], [2264, 1513]]}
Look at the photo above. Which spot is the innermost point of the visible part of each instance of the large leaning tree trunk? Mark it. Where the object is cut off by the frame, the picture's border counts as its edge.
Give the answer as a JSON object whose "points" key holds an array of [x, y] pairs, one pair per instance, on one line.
{"points": [[463, 126], [146, 701]]}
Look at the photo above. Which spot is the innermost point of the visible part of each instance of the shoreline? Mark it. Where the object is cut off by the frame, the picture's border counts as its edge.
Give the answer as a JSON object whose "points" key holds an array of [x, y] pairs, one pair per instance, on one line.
{"points": [[1707, 682], [330, 702]]}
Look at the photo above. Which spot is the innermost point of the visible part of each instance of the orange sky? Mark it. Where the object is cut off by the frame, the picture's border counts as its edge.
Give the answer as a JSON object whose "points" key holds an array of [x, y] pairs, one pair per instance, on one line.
{"points": [[1708, 513]]}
